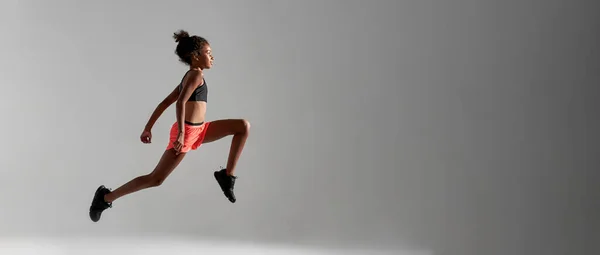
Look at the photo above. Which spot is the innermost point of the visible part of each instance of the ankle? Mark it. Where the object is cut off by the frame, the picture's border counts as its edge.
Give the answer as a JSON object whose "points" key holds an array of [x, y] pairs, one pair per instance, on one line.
{"points": [[106, 198]]}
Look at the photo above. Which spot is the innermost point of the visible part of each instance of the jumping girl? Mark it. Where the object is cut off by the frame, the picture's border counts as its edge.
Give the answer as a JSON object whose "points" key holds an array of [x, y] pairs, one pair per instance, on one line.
{"points": [[189, 131]]}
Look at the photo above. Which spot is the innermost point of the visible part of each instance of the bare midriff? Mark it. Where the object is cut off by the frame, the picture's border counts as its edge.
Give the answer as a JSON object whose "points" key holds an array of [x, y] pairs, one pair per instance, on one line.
{"points": [[195, 111]]}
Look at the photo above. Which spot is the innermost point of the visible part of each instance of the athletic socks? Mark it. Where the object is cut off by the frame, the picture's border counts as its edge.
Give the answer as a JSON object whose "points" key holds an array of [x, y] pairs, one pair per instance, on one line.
{"points": [[98, 203], [226, 183]]}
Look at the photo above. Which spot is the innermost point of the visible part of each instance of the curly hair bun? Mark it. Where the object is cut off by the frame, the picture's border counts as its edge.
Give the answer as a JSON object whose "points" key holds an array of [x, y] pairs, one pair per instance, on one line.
{"points": [[180, 35]]}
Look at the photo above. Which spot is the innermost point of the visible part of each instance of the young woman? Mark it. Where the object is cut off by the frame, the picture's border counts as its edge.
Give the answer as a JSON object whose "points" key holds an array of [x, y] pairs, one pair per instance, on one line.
{"points": [[189, 131]]}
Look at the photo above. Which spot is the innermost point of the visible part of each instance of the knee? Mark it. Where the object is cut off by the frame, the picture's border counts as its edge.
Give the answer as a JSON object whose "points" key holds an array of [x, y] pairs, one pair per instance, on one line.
{"points": [[244, 126], [154, 180]]}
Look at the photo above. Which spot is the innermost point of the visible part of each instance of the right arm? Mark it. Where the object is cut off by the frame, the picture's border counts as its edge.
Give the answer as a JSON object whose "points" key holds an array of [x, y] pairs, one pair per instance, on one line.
{"points": [[194, 80], [162, 106]]}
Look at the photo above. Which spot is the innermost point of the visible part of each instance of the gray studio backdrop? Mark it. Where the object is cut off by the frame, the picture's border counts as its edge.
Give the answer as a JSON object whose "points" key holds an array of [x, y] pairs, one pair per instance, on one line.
{"points": [[456, 127]]}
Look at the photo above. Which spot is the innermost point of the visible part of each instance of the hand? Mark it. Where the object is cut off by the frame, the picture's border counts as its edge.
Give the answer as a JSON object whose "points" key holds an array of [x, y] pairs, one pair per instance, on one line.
{"points": [[146, 136], [178, 144]]}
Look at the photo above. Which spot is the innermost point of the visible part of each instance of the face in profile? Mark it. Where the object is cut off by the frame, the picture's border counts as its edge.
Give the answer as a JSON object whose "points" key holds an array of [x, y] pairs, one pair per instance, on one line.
{"points": [[205, 58]]}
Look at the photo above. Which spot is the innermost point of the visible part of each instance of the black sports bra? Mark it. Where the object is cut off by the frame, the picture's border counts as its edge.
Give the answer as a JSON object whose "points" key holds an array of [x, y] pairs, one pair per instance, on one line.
{"points": [[199, 94]]}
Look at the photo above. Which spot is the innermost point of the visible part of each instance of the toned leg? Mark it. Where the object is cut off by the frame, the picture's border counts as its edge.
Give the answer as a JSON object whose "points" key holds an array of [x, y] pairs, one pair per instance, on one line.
{"points": [[103, 197], [168, 162], [219, 129]]}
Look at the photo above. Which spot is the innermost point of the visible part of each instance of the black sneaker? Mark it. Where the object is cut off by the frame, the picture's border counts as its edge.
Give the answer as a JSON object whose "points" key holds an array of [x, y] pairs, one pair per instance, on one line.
{"points": [[98, 203], [226, 182]]}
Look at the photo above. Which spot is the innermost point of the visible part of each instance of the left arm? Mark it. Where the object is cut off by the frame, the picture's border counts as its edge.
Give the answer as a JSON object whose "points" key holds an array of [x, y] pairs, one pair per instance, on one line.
{"points": [[162, 106]]}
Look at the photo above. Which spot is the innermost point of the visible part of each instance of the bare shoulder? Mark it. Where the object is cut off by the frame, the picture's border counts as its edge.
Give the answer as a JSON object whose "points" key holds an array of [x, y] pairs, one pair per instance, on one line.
{"points": [[194, 78]]}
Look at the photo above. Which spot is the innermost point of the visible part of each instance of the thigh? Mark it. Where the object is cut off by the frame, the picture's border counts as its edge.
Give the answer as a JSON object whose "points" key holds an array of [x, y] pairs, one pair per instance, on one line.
{"points": [[167, 163], [221, 128]]}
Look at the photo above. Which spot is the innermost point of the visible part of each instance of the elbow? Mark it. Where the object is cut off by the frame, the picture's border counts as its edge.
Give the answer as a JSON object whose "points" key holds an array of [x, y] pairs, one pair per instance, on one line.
{"points": [[179, 105]]}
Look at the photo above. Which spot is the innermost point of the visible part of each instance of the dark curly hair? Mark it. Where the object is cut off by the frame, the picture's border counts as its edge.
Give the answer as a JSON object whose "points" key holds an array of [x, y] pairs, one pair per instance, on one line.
{"points": [[188, 46]]}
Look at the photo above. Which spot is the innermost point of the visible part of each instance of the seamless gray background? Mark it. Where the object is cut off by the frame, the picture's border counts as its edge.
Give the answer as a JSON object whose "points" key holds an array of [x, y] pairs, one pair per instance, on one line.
{"points": [[458, 127]]}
